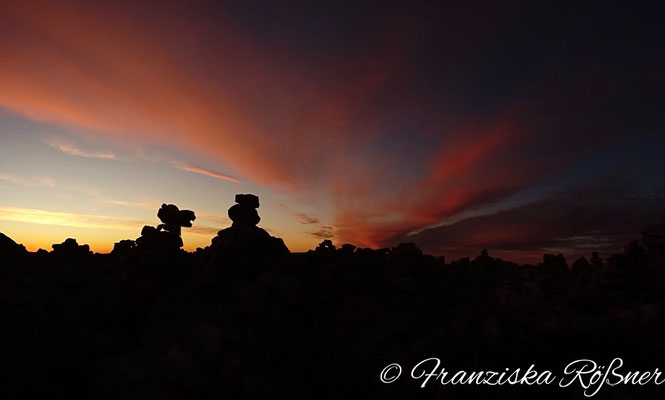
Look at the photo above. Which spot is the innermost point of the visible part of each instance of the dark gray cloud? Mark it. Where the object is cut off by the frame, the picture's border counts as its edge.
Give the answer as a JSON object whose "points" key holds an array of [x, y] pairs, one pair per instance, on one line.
{"points": [[323, 233], [302, 218], [601, 215]]}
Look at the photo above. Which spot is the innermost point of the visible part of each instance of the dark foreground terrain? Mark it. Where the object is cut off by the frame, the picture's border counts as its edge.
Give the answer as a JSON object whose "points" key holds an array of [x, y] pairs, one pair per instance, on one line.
{"points": [[244, 318]]}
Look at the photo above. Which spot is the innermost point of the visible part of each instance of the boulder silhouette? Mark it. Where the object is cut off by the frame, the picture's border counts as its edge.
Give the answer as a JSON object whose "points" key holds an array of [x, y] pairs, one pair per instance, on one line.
{"points": [[326, 246], [173, 218], [244, 242], [152, 237], [244, 213], [71, 248], [165, 236], [123, 247], [9, 248]]}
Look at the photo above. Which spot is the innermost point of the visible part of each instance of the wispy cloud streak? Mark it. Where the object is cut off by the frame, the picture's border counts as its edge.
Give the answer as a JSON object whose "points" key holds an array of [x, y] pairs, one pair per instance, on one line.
{"points": [[75, 151], [147, 205], [323, 232], [45, 217], [57, 218], [35, 181], [199, 170], [303, 218]]}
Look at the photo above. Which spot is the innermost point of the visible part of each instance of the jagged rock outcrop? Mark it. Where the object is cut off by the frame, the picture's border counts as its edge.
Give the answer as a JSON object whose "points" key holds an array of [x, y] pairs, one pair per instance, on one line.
{"points": [[71, 248], [325, 246], [147, 321], [9, 248], [123, 247]]}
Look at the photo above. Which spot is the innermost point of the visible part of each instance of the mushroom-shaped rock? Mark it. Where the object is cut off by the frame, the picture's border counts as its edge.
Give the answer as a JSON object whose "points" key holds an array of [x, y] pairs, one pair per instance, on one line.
{"points": [[173, 218], [166, 236]]}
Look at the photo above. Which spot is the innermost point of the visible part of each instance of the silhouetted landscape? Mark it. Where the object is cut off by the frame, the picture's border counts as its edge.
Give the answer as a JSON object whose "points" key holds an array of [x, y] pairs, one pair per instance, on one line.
{"points": [[246, 318], [316, 200]]}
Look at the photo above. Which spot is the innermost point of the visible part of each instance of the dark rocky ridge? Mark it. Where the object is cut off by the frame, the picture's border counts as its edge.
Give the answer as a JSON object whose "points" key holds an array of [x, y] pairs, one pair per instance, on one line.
{"points": [[245, 318]]}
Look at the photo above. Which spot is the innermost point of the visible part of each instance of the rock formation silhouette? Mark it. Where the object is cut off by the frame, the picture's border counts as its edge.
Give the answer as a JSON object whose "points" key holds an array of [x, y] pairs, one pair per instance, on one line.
{"points": [[173, 218], [71, 248], [10, 251], [244, 214], [245, 318], [123, 247], [244, 245], [167, 234]]}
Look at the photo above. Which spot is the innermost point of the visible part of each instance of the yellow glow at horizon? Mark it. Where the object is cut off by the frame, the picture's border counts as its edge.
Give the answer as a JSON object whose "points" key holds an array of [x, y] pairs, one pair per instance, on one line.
{"points": [[37, 229], [45, 217]]}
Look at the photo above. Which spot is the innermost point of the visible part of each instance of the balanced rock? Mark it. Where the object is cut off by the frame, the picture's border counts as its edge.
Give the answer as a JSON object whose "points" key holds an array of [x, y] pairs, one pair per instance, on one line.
{"points": [[244, 213], [166, 236], [243, 240], [173, 218]]}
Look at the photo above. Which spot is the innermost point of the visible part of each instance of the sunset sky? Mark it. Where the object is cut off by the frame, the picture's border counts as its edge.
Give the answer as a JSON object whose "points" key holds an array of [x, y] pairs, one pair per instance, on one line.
{"points": [[518, 127]]}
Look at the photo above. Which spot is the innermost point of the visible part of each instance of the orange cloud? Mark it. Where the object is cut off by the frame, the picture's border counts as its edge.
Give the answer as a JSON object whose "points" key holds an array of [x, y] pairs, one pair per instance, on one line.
{"points": [[145, 75], [159, 80]]}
